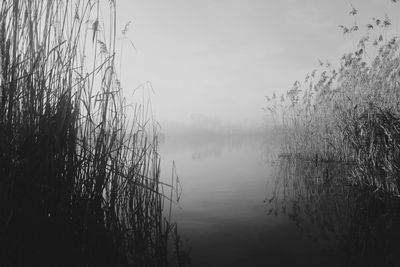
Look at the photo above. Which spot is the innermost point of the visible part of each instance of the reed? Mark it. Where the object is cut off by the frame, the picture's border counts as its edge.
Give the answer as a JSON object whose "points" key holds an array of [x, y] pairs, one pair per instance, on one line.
{"points": [[80, 171], [350, 113]]}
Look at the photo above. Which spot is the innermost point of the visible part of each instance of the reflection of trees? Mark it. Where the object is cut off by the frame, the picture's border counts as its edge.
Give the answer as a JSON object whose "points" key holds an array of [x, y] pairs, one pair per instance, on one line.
{"points": [[362, 225], [207, 151]]}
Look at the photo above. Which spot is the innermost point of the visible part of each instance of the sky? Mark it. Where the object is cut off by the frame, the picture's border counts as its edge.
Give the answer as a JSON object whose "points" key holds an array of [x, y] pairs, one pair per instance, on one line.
{"points": [[220, 58]]}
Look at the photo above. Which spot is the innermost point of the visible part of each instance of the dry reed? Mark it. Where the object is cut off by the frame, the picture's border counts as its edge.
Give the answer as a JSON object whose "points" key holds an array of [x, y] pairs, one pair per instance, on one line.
{"points": [[349, 114]]}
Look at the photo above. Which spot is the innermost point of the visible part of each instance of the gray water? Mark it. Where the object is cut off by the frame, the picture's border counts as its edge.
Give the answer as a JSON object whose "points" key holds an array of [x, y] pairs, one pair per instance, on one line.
{"points": [[233, 212]]}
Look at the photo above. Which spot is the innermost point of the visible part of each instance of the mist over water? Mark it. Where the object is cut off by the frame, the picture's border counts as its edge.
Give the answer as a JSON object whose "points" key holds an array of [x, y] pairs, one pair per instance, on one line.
{"points": [[243, 206], [221, 210], [222, 215], [203, 125]]}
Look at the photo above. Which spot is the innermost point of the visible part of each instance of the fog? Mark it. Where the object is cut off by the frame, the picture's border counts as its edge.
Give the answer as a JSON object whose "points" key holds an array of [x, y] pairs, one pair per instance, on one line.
{"points": [[220, 58], [137, 133], [202, 125]]}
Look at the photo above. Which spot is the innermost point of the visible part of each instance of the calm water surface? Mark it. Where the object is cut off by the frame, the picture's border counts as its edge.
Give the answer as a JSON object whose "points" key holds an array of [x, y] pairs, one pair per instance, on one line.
{"points": [[233, 212]]}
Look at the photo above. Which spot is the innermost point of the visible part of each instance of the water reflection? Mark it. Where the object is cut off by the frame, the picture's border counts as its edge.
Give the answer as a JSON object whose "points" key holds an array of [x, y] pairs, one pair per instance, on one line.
{"points": [[313, 219], [361, 228], [222, 214]]}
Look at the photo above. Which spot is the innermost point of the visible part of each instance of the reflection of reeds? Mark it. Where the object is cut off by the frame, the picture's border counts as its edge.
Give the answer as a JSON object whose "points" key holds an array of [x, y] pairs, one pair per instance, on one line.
{"points": [[303, 189], [362, 226], [79, 181]]}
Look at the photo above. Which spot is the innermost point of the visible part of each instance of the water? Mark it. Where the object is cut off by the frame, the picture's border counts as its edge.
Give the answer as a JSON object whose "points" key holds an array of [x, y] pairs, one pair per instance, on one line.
{"points": [[240, 209]]}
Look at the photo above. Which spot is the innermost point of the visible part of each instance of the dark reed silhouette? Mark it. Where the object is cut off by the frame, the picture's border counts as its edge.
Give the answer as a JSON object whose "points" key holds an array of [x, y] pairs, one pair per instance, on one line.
{"points": [[79, 168]]}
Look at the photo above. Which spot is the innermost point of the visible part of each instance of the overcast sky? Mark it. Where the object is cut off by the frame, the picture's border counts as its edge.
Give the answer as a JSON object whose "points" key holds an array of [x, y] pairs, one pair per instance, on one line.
{"points": [[221, 57]]}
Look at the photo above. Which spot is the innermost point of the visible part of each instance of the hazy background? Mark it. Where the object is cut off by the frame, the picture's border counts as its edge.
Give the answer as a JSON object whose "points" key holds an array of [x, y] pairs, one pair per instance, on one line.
{"points": [[215, 60]]}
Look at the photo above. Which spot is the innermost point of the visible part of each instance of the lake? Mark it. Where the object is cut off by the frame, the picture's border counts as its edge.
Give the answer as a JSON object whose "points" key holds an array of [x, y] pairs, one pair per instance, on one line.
{"points": [[242, 206]]}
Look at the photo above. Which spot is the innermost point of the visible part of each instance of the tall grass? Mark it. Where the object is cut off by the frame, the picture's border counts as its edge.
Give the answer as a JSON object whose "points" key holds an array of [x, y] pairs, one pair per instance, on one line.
{"points": [[350, 113], [80, 170]]}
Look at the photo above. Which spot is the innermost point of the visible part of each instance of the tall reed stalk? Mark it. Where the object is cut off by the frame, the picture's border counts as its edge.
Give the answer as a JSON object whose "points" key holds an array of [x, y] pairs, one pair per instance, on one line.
{"points": [[79, 183], [350, 113]]}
